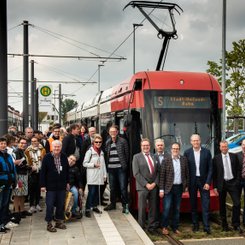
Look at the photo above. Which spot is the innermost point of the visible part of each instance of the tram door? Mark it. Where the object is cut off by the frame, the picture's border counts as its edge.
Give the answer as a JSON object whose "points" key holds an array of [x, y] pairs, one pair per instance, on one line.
{"points": [[133, 133]]}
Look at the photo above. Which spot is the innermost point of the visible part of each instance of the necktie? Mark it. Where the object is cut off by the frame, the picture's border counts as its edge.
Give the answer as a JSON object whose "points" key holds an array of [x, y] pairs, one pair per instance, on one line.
{"points": [[150, 163], [227, 168], [243, 166]]}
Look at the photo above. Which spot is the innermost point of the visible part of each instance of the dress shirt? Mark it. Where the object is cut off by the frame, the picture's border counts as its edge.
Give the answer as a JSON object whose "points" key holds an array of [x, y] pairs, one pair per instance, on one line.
{"points": [[197, 161], [161, 157], [177, 171], [227, 167]]}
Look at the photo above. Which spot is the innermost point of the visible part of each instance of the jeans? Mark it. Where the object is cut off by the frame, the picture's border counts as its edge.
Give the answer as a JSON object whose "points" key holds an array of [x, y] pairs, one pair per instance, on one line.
{"points": [[243, 188], [34, 189], [93, 197], [172, 199], [4, 205], [205, 201], [117, 175], [75, 195], [57, 199]]}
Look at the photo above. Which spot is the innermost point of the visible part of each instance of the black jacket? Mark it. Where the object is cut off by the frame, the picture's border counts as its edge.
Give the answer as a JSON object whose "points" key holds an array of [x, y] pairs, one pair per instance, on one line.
{"points": [[49, 176], [218, 167], [69, 144], [122, 150], [23, 167], [75, 177]]}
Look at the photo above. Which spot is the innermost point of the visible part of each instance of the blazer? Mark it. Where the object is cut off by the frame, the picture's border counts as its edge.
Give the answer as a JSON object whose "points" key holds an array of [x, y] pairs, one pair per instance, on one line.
{"points": [[166, 176], [206, 166], [142, 173], [49, 176], [240, 158], [159, 163], [218, 166]]}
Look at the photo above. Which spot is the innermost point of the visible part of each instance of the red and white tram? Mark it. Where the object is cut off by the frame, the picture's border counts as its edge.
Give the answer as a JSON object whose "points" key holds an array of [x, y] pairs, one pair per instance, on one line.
{"points": [[160, 104]]}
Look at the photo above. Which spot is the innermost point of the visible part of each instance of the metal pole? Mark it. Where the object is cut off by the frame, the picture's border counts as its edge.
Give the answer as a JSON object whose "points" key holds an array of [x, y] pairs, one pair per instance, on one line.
{"points": [[4, 69], [32, 96], [25, 77], [134, 28], [60, 102], [99, 77], [223, 125]]}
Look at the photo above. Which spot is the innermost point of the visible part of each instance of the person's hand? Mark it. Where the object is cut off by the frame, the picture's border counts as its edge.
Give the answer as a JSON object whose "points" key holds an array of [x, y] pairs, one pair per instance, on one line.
{"points": [[216, 192], [206, 187]]}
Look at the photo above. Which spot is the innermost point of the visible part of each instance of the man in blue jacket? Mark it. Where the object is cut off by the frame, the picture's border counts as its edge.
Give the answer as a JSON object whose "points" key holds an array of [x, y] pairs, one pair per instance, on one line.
{"points": [[7, 180], [54, 180], [200, 172]]}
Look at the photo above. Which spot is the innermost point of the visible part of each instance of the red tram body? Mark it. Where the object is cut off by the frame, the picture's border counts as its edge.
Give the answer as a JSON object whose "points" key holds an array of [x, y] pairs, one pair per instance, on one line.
{"points": [[160, 104]]}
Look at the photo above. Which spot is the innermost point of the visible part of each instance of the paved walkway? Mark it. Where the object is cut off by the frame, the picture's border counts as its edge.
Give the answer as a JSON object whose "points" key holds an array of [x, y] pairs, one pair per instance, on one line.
{"points": [[108, 228]]}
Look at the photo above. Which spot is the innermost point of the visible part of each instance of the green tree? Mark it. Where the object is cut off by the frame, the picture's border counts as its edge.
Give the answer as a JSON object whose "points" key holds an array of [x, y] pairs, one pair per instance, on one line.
{"points": [[67, 105], [235, 78]]}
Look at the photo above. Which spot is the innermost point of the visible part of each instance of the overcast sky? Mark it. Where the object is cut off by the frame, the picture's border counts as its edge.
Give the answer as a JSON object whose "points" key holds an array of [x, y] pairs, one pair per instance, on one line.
{"points": [[100, 26]]}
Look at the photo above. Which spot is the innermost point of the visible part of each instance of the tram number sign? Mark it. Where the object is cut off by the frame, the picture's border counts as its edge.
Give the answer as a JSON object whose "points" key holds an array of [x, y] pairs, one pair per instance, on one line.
{"points": [[181, 102]]}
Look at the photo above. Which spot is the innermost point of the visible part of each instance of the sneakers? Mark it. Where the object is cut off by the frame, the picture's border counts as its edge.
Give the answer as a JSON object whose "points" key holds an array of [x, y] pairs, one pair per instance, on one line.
{"points": [[125, 209], [3, 230], [32, 210], [110, 207], [10, 225], [96, 210], [38, 208]]}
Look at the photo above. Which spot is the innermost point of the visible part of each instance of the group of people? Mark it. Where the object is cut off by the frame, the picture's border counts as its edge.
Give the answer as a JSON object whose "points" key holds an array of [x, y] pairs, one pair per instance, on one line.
{"points": [[55, 165], [80, 158], [167, 175]]}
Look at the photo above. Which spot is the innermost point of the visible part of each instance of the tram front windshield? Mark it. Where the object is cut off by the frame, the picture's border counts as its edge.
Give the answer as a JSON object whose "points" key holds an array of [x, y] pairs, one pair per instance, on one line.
{"points": [[176, 115]]}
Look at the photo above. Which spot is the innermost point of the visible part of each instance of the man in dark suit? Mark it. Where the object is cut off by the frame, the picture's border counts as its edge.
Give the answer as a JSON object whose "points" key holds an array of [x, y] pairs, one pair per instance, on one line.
{"points": [[160, 154], [227, 179], [174, 179], [200, 171], [146, 174], [160, 157], [241, 158]]}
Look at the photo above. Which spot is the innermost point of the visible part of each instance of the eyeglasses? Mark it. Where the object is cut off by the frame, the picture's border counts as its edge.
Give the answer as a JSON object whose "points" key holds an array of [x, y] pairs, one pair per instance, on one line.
{"points": [[175, 149], [98, 142]]}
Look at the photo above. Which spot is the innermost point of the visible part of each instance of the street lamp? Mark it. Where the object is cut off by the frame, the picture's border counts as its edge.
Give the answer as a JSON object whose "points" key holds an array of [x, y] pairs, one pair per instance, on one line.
{"points": [[135, 26], [99, 77]]}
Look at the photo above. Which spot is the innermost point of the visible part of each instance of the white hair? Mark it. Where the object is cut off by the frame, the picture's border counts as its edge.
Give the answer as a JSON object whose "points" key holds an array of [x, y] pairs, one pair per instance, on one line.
{"points": [[56, 142]]}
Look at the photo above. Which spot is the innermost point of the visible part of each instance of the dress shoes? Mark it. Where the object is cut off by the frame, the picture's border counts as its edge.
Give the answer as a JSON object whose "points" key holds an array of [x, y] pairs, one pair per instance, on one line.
{"points": [[208, 231], [96, 210], [239, 229], [195, 228], [165, 231], [226, 228], [87, 214], [110, 207]]}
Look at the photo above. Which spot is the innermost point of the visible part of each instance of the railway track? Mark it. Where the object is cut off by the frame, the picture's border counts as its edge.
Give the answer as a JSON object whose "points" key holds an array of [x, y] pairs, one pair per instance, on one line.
{"points": [[172, 240]]}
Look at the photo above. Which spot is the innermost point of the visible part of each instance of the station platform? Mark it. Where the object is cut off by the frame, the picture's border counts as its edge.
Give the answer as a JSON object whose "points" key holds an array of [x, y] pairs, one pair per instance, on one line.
{"points": [[111, 228]]}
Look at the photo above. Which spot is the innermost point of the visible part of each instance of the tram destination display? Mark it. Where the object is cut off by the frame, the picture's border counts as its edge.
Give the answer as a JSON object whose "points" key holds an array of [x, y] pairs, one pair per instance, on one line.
{"points": [[181, 102]]}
